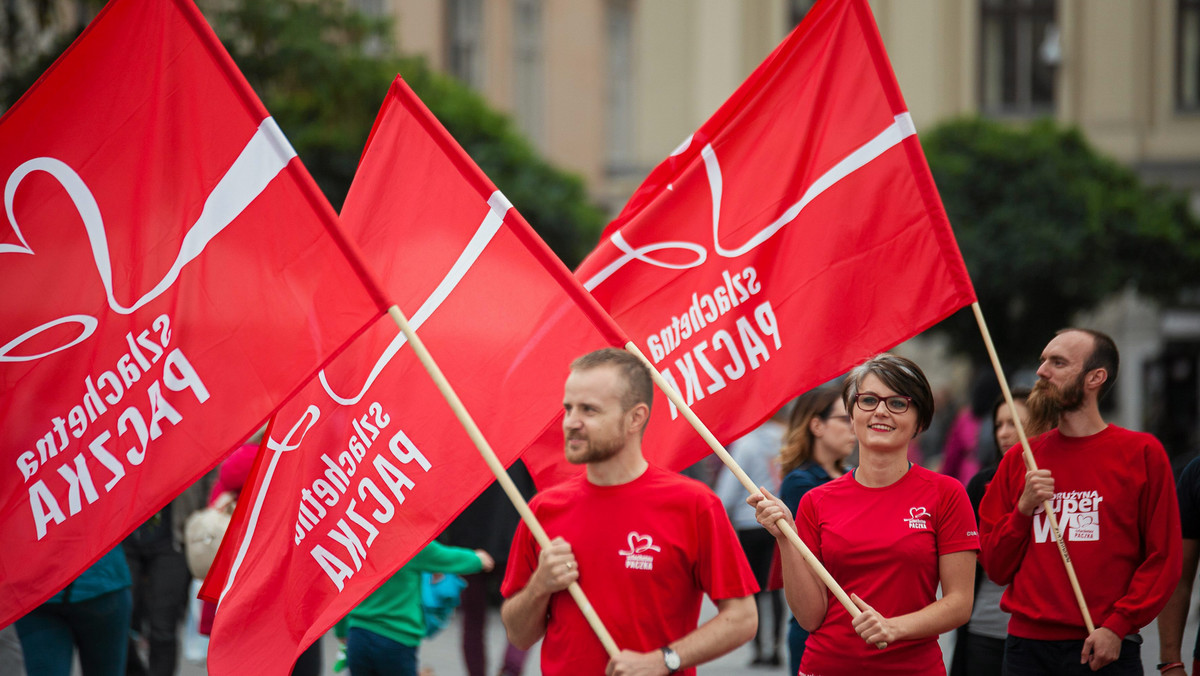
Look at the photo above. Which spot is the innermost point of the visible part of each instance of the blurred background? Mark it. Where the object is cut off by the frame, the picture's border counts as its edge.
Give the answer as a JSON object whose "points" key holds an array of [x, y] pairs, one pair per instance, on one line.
{"points": [[1064, 136]]}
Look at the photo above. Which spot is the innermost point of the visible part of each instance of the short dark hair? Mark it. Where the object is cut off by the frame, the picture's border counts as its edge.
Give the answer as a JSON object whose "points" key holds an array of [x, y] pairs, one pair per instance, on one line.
{"points": [[639, 386], [901, 375], [1104, 356]]}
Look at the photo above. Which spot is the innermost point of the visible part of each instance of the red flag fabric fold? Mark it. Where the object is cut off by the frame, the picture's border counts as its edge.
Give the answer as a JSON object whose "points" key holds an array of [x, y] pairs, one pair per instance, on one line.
{"points": [[368, 463], [171, 275], [795, 233]]}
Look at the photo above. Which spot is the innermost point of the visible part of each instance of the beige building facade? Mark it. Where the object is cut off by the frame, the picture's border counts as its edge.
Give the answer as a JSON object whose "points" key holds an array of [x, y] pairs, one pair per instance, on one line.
{"points": [[603, 88], [606, 88]]}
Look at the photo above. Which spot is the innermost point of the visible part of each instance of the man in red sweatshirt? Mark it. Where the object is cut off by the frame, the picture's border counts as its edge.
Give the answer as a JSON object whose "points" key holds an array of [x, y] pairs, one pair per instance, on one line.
{"points": [[1113, 494]]}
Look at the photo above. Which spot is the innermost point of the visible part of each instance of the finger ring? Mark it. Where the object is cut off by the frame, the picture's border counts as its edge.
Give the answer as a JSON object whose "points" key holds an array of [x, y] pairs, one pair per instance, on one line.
{"points": [[570, 565]]}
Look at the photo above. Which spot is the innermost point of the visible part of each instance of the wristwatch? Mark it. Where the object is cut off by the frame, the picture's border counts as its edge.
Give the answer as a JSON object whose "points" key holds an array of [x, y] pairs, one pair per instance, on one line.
{"points": [[671, 659]]}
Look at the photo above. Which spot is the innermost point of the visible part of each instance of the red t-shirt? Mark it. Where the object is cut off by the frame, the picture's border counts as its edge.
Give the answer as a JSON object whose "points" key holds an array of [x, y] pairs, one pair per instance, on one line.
{"points": [[882, 544], [647, 550], [1114, 498]]}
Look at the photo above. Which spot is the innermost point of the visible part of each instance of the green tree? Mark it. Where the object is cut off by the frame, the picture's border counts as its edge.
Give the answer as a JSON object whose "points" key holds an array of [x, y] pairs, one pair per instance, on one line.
{"points": [[33, 33], [1049, 227], [322, 70]]}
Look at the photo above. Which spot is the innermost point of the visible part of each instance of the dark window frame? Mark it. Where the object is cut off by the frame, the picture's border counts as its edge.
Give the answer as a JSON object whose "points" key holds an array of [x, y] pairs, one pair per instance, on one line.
{"points": [[1028, 85], [465, 59]]}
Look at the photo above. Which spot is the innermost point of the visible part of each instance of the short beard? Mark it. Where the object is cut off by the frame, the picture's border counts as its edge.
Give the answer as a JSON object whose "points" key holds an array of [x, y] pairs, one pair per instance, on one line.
{"points": [[596, 451], [1047, 403]]}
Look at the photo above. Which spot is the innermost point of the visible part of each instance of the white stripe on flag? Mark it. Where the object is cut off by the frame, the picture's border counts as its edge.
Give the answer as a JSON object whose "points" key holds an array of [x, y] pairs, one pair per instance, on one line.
{"points": [[498, 206]]}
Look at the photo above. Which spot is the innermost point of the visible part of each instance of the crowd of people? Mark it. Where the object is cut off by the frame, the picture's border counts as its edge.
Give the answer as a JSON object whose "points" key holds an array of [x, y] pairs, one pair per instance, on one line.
{"points": [[918, 552]]}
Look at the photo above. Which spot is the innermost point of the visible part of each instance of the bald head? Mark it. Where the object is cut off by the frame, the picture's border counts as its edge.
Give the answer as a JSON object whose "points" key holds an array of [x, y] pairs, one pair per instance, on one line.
{"points": [[1103, 355]]}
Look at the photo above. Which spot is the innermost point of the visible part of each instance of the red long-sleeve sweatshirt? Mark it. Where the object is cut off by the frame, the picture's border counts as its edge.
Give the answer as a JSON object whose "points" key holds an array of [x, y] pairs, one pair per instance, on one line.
{"points": [[1114, 497]]}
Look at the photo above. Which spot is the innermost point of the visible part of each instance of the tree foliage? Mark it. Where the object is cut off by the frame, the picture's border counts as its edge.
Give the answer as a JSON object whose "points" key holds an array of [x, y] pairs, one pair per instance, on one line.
{"points": [[33, 33], [1048, 227]]}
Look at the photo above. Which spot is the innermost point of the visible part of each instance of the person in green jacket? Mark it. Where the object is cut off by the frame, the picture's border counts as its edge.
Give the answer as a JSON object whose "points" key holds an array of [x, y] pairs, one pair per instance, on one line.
{"points": [[385, 630]]}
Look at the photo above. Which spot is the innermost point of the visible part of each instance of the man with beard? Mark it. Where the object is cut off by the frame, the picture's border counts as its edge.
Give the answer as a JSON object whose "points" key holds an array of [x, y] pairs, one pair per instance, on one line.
{"points": [[644, 543], [1113, 494]]}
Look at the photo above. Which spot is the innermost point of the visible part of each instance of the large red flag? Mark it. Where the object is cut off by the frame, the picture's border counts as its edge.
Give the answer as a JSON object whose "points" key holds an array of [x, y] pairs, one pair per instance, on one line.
{"points": [[794, 234], [368, 463], [171, 275]]}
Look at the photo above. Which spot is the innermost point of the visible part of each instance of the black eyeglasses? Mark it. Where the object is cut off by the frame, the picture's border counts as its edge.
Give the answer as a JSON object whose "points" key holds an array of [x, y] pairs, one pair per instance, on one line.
{"points": [[897, 403]]}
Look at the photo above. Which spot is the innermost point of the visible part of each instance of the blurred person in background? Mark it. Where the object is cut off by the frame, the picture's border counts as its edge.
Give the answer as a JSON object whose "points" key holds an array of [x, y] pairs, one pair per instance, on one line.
{"points": [[159, 572], [11, 661], [961, 458], [819, 438], [756, 453], [1173, 618], [489, 524], [91, 614], [979, 649], [384, 631]]}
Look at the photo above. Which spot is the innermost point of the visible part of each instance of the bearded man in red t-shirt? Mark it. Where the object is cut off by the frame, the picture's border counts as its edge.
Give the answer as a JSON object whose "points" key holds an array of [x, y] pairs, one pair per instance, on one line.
{"points": [[645, 545], [1113, 494]]}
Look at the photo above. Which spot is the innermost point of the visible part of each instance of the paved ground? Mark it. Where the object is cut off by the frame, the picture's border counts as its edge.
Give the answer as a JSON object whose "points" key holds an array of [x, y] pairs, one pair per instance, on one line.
{"points": [[441, 653], [443, 656]]}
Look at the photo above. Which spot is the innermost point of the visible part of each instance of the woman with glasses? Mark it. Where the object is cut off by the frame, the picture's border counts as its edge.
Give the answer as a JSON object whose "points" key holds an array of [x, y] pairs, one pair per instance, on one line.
{"points": [[818, 441], [889, 532]]}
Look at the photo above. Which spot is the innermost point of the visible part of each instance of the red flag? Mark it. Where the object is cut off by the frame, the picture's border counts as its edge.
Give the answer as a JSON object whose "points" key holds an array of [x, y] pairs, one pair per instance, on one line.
{"points": [[171, 274], [797, 232], [367, 464]]}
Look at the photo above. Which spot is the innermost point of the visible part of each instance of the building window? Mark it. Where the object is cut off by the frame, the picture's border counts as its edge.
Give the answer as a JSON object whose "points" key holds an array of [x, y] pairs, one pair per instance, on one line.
{"points": [[619, 85], [528, 75], [1020, 53], [464, 42], [1187, 57]]}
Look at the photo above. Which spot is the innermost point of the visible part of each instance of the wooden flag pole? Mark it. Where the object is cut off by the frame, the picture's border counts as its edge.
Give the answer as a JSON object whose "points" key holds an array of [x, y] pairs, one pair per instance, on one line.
{"points": [[744, 478], [1031, 465], [493, 463]]}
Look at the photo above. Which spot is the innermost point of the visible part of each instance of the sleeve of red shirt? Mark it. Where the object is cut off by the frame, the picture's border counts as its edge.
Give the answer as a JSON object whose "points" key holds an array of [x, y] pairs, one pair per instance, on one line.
{"points": [[1155, 579], [806, 525], [721, 567], [522, 561], [1004, 532], [775, 576], [956, 528]]}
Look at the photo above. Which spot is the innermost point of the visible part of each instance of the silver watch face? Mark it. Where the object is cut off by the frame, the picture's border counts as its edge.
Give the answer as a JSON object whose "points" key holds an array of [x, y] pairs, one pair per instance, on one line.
{"points": [[671, 658]]}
